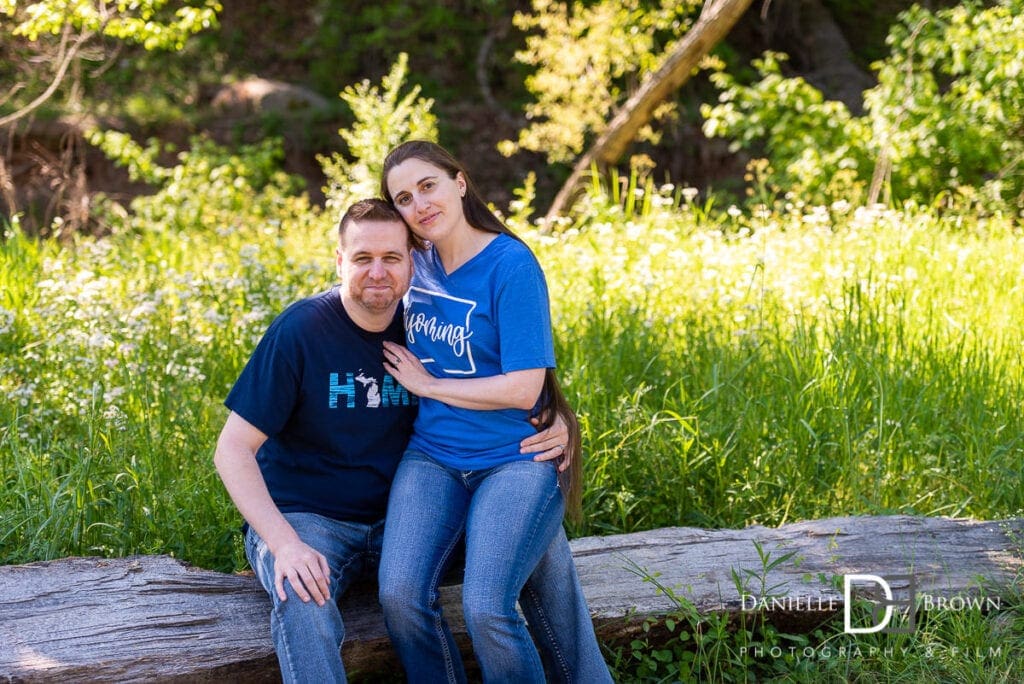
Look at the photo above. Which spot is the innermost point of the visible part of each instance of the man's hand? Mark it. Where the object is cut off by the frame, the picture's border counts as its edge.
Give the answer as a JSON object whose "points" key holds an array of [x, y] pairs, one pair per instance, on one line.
{"points": [[548, 444], [307, 571]]}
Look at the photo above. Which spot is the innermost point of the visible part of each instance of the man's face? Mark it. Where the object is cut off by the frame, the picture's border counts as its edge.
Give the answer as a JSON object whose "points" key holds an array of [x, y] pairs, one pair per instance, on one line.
{"points": [[375, 267]]}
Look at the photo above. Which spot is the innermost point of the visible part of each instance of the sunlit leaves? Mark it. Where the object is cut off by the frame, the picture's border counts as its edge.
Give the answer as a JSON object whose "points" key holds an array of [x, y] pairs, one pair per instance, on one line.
{"points": [[588, 56], [150, 23], [383, 118], [944, 123]]}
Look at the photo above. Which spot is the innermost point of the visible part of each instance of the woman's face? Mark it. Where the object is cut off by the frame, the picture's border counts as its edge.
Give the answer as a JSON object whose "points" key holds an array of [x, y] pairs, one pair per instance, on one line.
{"points": [[428, 199]]}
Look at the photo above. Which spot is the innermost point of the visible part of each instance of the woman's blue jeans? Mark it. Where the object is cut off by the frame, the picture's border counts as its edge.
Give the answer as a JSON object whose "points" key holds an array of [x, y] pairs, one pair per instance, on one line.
{"points": [[510, 515], [308, 637]]}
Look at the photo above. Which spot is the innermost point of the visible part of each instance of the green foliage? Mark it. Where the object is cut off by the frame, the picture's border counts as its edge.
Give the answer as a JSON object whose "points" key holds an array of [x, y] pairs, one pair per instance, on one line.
{"points": [[209, 187], [350, 37], [383, 119], [817, 142], [727, 370], [588, 56], [746, 366], [107, 59], [944, 124], [117, 352], [150, 23]]}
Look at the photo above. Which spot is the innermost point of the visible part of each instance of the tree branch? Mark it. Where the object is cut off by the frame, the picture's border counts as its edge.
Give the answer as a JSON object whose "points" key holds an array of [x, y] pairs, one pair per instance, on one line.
{"points": [[65, 56], [715, 21]]}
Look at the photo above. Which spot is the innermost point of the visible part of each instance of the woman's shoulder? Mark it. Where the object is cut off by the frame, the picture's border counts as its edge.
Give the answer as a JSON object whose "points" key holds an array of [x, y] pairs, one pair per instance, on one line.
{"points": [[512, 251]]}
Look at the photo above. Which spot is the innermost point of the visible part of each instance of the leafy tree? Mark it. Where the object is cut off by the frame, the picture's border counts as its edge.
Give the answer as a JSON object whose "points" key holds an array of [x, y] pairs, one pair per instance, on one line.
{"points": [[65, 33], [210, 188], [383, 118], [945, 122], [587, 59]]}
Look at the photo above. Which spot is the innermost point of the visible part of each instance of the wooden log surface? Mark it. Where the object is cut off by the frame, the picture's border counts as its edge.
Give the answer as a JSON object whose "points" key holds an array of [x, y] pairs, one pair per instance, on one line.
{"points": [[154, 618]]}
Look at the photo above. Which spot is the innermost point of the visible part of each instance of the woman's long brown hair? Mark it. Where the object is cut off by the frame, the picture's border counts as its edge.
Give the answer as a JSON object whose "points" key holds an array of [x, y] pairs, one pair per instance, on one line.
{"points": [[479, 215]]}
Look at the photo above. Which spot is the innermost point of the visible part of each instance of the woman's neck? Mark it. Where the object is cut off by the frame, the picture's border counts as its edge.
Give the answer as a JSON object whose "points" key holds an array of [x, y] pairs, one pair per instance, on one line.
{"points": [[456, 251]]}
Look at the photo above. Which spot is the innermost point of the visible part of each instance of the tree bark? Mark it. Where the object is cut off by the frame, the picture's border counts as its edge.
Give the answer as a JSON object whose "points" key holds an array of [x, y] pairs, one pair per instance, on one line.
{"points": [[155, 619], [715, 21]]}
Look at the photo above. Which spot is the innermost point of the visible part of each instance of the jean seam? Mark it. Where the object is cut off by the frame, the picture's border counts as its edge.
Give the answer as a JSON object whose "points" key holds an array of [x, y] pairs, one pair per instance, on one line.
{"points": [[439, 620], [541, 515], [545, 626], [286, 641], [435, 581]]}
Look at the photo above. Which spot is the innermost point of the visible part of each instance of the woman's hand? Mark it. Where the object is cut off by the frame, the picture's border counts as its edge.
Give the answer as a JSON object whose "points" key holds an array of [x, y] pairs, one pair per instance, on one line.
{"points": [[515, 389], [407, 369], [550, 443]]}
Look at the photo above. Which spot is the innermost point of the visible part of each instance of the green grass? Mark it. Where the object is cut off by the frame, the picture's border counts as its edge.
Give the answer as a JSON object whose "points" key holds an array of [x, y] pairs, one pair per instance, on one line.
{"points": [[947, 646], [728, 370], [792, 369]]}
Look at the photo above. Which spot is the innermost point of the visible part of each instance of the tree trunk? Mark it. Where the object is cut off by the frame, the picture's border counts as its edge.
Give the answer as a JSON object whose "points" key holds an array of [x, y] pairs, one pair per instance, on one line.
{"points": [[154, 619], [715, 21]]}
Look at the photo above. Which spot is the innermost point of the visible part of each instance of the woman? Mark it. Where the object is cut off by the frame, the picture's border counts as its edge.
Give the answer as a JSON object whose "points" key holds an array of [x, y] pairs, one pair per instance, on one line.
{"points": [[480, 357]]}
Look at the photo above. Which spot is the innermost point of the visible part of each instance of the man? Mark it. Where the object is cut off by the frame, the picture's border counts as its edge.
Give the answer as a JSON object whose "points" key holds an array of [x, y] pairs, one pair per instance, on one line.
{"points": [[316, 430]]}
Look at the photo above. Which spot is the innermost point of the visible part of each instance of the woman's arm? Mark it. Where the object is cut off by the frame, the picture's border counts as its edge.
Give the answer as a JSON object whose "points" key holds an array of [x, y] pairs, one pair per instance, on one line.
{"points": [[518, 389]]}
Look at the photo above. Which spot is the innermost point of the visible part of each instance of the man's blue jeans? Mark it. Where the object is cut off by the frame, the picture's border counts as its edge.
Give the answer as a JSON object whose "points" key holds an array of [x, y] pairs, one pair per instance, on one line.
{"points": [[511, 516], [308, 637]]}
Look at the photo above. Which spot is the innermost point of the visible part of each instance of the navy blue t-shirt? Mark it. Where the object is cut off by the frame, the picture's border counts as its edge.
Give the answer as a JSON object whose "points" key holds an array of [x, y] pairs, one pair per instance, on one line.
{"points": [[337, 423]]}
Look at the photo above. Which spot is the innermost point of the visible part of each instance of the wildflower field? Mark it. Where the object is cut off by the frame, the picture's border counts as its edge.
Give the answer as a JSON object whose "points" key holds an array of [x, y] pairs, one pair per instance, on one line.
{"points": [[727, 372], [728, 369]]}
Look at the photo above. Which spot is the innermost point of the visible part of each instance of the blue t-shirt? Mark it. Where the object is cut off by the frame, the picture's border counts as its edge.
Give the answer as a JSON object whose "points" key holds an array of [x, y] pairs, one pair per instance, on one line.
{"points": [[336, 423], [490, 316]]}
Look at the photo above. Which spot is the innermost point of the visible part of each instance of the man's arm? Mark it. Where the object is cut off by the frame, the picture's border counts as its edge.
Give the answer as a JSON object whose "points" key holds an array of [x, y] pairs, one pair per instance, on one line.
{"points": [[548, 444], [235, 459]]}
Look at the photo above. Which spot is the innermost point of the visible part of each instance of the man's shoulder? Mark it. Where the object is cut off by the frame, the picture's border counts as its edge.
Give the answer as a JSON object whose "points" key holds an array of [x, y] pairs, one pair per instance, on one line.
{"points": [[309, 308]]}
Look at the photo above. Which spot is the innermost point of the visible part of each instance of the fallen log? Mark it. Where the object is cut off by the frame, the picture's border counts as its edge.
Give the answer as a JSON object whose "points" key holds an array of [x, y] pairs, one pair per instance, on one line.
{"points": [[155, 618]]}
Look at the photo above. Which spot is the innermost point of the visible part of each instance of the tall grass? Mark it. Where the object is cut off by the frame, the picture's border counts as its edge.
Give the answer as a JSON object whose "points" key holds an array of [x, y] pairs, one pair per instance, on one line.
{"points": [[817, 363], [728, 369]]}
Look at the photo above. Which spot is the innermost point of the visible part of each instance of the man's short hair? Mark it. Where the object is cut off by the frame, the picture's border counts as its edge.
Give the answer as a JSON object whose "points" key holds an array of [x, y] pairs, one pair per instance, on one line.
{"points": [[368, 210], [374, 209]]}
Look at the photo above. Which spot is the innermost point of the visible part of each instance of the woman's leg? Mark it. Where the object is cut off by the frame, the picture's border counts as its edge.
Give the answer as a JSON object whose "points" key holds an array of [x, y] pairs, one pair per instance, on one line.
{"points": [[515, 512], [559, 619], [425, 520]]}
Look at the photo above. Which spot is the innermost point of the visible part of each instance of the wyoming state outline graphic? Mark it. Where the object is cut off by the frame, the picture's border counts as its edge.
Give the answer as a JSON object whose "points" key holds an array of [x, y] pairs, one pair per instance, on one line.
{"points": [[441, 323]]}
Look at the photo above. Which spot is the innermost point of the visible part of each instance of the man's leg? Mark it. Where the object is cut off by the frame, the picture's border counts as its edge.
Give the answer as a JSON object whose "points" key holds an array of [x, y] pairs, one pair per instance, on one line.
{"points": [[559, 619], [515, 512], [425, 520], [308, 637]]}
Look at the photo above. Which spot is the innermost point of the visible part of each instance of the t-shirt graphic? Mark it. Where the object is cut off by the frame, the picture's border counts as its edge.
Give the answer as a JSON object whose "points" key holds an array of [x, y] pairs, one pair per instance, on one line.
{"points": [[372, 391], [444, 320], [367, 393]]}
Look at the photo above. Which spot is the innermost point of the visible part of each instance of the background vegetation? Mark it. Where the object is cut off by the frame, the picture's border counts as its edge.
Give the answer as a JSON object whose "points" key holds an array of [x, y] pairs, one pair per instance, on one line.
{"points": [[841, 335]]}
